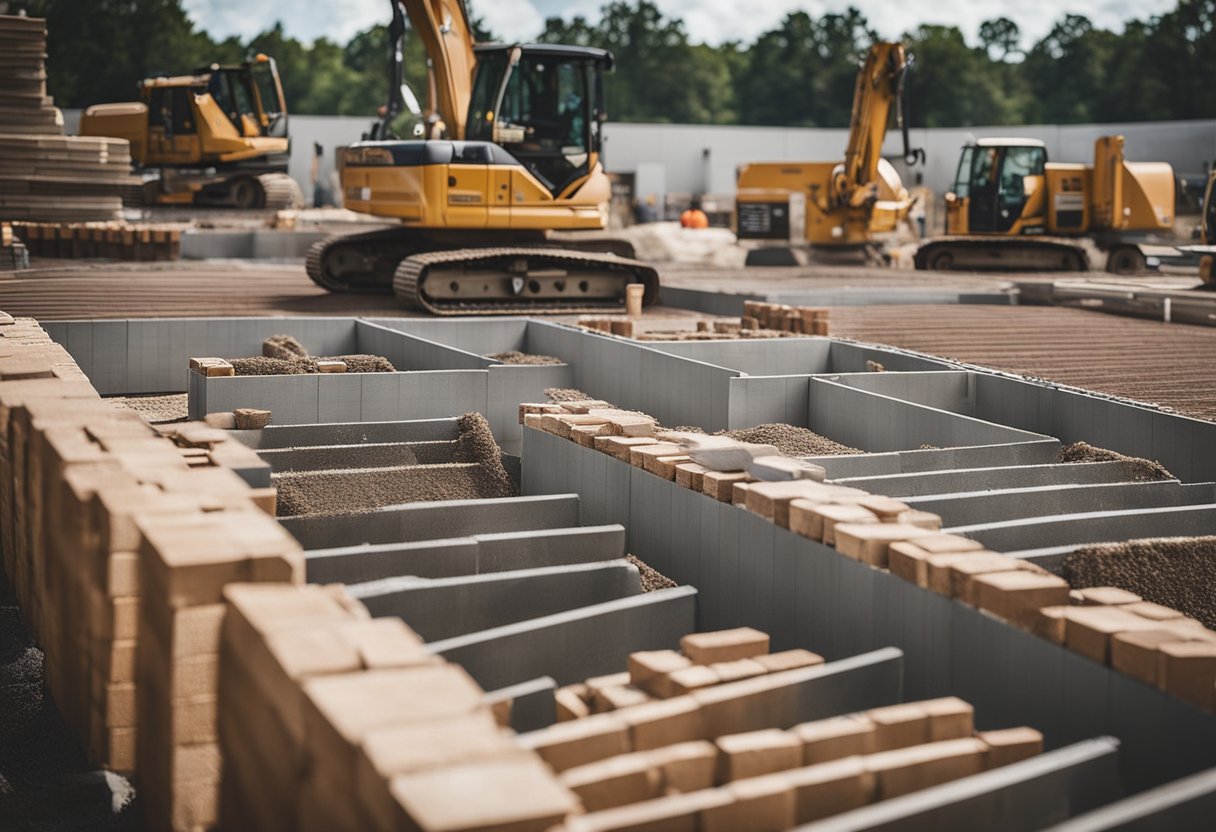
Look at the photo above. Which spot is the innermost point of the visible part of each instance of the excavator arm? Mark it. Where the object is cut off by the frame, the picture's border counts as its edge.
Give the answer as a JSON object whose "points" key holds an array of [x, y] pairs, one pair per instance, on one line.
{"points": [[443, 26], [880, 85]]}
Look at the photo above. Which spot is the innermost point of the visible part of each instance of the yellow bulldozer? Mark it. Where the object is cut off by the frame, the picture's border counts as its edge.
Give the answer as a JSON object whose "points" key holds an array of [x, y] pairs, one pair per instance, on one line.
{"points": [[1012, 210], [214, 138], [836, 205], [506, 154]]}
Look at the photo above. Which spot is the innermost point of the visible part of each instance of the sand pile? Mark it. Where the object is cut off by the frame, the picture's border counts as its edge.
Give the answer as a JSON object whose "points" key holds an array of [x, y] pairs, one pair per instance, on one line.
{"points": [[517, 357], [790, 440], [283, 355], [567, 394], [652, 578], [478, 473], [363, 363], [1177, 572], [262, 366], [157, 410], [1142, 469]]}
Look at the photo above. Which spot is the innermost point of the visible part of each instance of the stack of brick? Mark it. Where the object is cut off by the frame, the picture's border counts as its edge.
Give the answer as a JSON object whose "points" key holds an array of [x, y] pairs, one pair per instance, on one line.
{"points": [[709, 759], [802, 320], [45, 175], [332, 721], [110, 240], [704, 660], [1148, 641]]}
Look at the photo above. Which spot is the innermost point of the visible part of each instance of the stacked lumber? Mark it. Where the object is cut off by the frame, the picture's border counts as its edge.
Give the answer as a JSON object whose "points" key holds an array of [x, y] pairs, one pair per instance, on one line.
{"points": [[710, 758], [108, 240], [44, 175], [332, 721], [1151, 642]]}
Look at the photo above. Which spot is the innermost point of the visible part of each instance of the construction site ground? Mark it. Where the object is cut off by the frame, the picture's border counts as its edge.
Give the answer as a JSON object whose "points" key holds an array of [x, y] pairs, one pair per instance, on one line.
{"points": [[1143, 360]]}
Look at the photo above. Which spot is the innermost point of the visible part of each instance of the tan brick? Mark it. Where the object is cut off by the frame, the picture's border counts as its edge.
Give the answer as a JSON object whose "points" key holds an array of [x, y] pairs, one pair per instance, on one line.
{"points": [[830, 788], [755, 753], [620, 446], [664, 722], [1018, 596], [724, 645], [720, 484], [569, 705], [963, 573], [909, 561], [616, 697], [1011, 745], [630, 778], [1088, 629], [665, 466], [515, 793], [1107, 596], [641, 455], [921, 519], [761, 804], [1187, 669], [685, 680], [1135, 652], [738, 670], [788, 660], [907, 770], [886, 509], [832, 739], [868, 542], [685, 766], [899, 726], [1049, 623], [1156, 612], [818, 521], [772, 499], [950, 718], [646, 667], [674, 813], [578, 742], [690, 475]]}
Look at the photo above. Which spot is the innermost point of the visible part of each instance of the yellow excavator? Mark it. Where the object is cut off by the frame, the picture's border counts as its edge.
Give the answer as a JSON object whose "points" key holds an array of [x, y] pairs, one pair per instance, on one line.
{"points": [[214, 138], [837, 205], [507, 155], [1012, 210]]}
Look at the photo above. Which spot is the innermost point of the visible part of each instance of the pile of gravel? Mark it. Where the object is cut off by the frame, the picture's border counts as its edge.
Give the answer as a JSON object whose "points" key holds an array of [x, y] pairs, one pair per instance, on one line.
{"points": [[517, 357], [566, 394], [364, 363], [1142, 469], [652, 578], [790, 440], [478, 474], [156, 410], [262, 366], [1177, 572], [283, 346]]}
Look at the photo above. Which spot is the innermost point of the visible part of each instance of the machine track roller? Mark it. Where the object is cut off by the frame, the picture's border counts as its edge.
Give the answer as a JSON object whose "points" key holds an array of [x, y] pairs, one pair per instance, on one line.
{"points": [[495, 281], [358, 262], [280, 192]]}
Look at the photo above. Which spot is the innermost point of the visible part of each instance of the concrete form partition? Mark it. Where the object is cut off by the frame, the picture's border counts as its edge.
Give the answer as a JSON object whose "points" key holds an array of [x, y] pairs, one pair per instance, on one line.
{"points": [[749, 571]]}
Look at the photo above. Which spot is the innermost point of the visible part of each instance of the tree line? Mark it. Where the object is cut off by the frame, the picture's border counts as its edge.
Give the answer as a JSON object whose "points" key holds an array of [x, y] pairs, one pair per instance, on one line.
{"points": [[799, 73]]}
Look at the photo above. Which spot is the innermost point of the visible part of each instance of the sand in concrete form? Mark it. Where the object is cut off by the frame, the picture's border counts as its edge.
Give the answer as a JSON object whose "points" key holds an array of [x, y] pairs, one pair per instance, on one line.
{"points": [[516, 357], [652, 579], [566, 394], [1177, 572], [480, 475], [159, 410], [790, 440], [261, 366], [1144, 470]]}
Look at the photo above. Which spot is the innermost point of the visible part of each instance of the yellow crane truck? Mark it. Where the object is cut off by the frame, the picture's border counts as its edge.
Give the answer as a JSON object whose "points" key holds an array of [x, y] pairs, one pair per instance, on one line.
{"points": [[1012, 210], [215, 138], [511, 154]]}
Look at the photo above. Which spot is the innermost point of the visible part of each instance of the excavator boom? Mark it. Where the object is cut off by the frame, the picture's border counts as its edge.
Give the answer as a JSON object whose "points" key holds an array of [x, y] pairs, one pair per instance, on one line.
{"points": [[879, 88], [443, 26]]}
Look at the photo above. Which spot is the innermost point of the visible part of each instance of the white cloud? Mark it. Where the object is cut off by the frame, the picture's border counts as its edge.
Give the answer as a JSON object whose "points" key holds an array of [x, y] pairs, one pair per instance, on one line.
{"points": [[708, 20]]}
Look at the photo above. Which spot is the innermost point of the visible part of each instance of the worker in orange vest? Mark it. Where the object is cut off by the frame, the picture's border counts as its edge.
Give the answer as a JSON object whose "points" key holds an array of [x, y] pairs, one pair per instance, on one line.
{"points": [[694, 217]]}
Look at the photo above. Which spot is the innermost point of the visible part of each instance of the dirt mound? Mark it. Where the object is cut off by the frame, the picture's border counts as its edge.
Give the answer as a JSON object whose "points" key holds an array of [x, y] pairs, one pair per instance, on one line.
{"points": [[1143, 469], [157, 410], [790, 440], [283, 346], [652, 578], [364, 363], [1178, 572], [476, 444], [517, 357], [566, 394], [262, 366]]}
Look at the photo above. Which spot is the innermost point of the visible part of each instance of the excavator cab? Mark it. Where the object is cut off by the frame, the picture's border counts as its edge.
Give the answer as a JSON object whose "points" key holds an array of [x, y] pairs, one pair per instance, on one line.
{"points": [[543, 104], [250, 94], [996, 179]]}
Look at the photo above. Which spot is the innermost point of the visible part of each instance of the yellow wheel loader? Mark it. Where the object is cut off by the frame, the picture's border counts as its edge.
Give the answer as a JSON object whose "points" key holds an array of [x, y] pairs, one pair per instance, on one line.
{"points": [[1012, 210], [506, 155], [836, 205], [214, 138]]}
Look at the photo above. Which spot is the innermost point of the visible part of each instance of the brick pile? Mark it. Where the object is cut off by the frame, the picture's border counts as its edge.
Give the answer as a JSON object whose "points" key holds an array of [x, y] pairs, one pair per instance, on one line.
{"points": [[109, 240], [330, 720], [1152, 642], [118, 539], [710, 758], [759, 320]]}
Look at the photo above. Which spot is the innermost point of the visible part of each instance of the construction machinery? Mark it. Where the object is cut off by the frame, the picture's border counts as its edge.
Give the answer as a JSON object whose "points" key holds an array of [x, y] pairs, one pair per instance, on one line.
{"points": [[1012, 210], [214, 138], [506, 166], [837, 205]]}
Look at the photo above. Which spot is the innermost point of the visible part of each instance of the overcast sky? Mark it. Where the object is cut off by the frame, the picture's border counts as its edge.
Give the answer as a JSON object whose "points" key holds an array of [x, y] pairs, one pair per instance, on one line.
{"points": [[706, 20]]}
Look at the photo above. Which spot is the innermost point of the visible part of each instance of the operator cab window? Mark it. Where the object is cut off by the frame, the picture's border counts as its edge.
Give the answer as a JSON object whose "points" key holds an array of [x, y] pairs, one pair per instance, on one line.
{"points": [[544, 116], [1019, 163]]}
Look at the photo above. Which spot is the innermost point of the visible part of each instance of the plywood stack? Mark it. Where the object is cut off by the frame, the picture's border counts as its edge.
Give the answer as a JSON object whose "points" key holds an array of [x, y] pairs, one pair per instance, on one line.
{"points": [[44, 175], [332, 721]]}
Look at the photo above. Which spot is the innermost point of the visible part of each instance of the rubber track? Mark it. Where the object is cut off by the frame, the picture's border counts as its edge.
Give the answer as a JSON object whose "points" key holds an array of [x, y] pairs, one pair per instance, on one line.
{"points": [[412, 272], [1022, 245], [280, 192], [318, 250]]}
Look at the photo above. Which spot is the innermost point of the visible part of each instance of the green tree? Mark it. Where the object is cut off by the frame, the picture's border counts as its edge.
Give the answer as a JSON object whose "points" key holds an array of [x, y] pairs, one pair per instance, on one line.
{"points": [[1001, 38]]}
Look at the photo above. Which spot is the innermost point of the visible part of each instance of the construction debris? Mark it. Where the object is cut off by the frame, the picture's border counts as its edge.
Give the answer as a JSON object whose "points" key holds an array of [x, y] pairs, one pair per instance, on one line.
{"points": [[652, 579]]}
